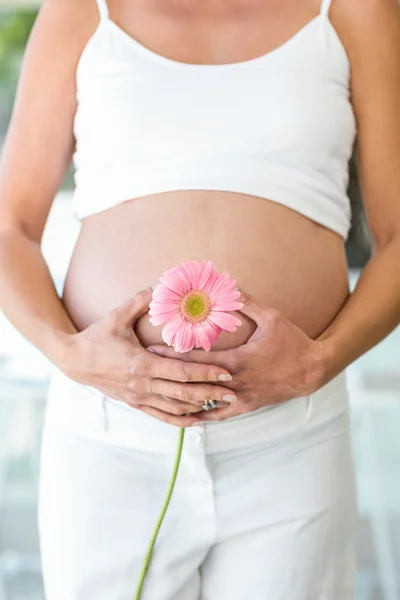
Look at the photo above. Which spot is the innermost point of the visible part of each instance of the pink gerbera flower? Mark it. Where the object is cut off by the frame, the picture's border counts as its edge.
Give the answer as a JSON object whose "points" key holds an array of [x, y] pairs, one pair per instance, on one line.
{"points": [[194, 303]]}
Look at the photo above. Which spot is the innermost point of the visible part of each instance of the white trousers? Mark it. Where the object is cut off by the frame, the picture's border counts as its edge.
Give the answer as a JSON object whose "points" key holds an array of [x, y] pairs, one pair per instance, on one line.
{"points": [[264, 505]]}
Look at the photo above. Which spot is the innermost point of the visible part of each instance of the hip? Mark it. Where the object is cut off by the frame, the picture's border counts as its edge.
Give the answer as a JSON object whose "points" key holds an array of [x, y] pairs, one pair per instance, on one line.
{"points": [[90, 413]]}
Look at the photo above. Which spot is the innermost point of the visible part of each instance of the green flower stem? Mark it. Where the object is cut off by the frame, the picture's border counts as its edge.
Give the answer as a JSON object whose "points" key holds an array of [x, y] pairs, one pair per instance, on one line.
{"points": [[161, 517]]}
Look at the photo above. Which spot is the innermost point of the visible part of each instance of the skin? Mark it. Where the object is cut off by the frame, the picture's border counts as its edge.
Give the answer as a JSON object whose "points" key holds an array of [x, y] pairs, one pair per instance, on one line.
{"points": [[298, 318]]}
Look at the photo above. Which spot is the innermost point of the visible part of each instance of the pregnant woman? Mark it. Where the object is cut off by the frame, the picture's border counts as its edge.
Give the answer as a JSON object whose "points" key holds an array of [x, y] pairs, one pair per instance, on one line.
{"points": [[215, 131]]}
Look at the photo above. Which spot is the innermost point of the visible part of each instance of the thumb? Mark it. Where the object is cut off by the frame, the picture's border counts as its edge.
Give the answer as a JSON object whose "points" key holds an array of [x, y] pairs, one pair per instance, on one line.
{"points": [[250, 307], [135, 307]]}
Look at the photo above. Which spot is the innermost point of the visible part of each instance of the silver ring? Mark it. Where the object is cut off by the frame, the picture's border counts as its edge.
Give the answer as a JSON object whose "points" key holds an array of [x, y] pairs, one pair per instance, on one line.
{"points": [[209, 404]]}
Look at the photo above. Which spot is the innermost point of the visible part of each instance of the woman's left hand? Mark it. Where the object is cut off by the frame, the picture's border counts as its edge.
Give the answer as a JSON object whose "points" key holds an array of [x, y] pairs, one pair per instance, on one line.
{"points": [[279, 362]]}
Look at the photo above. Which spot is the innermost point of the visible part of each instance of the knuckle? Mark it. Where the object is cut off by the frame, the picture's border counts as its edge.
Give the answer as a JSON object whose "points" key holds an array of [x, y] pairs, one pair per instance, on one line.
{"points": [[208, 392], [130, 385], [133, 366], [136, 365], [142, 368], [234, 357], [208, 374], [182, 394], [172, 372], [184, 375], [272, 317], [176, 410], [137, 386], [134, 399], [204, 373]]}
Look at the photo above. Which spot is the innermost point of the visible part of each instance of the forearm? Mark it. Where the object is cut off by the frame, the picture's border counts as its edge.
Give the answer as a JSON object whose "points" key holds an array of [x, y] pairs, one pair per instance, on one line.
{"points": [[28, 296], [371, 312]]}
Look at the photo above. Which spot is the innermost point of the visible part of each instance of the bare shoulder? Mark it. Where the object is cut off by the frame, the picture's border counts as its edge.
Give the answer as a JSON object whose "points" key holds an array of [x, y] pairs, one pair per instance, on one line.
{"points": [[57, 39], [368, 28], [69, 23], [39, 141]]}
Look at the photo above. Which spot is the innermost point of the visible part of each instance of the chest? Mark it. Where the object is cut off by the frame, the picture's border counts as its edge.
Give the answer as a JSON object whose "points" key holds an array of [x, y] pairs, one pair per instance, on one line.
{"points": [[212, 32], [287, 98]]}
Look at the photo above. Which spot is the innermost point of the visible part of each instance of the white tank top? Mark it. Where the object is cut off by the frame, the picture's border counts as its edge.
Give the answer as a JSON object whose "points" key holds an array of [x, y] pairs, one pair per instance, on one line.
{"points": [[280, 126]]}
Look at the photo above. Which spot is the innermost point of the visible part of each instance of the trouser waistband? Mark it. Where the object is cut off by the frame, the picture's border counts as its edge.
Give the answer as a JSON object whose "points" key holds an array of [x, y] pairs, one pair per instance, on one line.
{"points": [[91, 413]]}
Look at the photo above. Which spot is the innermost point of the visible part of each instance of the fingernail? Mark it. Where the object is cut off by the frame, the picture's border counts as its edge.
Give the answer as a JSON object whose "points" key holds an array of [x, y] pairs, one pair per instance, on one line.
{"points": [[229, 398], [225, 377], [150, 350]]}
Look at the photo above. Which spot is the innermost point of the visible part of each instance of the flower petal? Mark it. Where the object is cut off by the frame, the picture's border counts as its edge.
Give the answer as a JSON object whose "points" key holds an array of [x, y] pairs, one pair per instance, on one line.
{"points": [[197, 342], [176, 280], [223, 285], [226, 321], [210, 283], [184, 339], [215, 328], [211, 329], [229, 296], [192, 270], [162, 293], [156, 308], [160, 318], [206, 273], [203, 338], [205, 341], [170, 330], [165, 307], [227, 306]]}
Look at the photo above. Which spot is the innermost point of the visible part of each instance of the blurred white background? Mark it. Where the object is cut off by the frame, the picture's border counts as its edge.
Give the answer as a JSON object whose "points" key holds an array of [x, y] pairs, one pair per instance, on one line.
{"points": [[374, 384]]}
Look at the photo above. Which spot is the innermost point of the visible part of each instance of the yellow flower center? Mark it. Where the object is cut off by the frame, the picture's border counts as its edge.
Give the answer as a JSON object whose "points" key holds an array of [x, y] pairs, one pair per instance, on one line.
{"points": [[195, 306]]}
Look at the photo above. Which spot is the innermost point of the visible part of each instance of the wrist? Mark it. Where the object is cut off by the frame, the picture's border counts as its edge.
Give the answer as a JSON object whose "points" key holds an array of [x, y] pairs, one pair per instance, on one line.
{"points": [[64, 352], [327, 363]]}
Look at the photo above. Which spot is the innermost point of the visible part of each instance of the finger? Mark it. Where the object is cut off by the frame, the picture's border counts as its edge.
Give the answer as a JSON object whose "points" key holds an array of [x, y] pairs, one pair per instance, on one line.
{"points": [[219, 415], [250, 307], [182, 421], [182, 371], [195, 355], [225, 359], [172, 406], [195, 393], [135, 307]]}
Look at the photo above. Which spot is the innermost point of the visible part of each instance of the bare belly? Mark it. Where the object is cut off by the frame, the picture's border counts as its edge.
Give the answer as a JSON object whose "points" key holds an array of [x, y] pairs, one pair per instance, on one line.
{"points": [[283, 259]]}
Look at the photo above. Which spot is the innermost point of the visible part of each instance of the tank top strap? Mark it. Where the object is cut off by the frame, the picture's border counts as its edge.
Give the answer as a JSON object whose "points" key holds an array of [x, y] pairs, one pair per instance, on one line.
{"points": [[103, 9], [325, 6]]}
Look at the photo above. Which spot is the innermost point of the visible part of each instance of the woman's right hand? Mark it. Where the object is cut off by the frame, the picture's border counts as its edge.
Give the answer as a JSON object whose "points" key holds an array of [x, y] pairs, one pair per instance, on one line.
{"points": [[108, 356]]}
